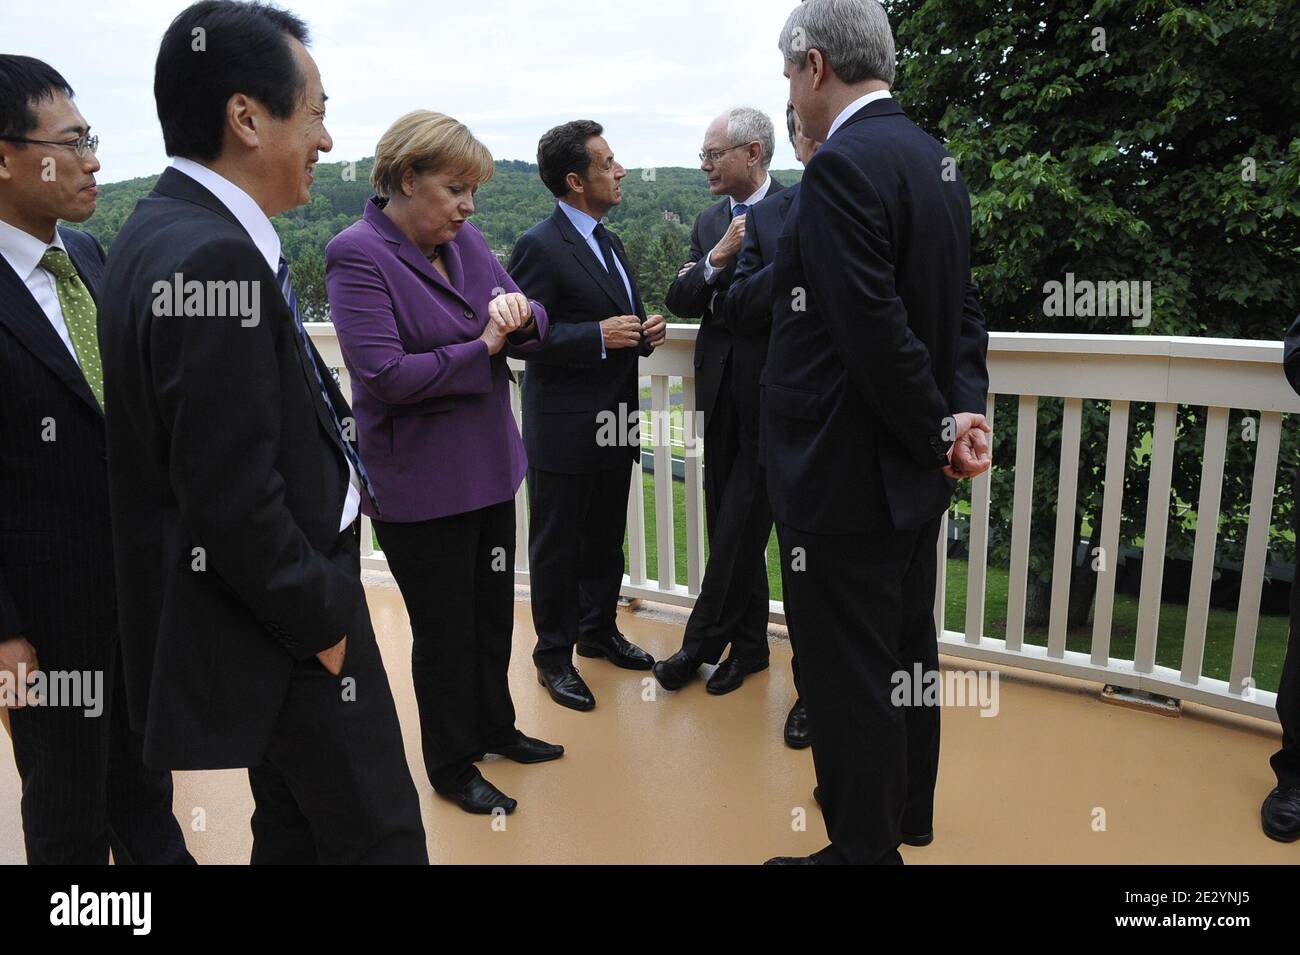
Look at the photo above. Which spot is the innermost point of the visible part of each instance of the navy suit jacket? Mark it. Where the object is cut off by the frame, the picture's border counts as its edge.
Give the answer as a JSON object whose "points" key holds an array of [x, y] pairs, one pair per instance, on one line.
{"points": [[567, 385], [690, 296], [877, 334], [56, 552]]}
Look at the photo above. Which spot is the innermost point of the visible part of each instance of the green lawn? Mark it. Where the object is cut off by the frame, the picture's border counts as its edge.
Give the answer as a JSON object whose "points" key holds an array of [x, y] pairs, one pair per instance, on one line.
{"points": [[1270, 646]]}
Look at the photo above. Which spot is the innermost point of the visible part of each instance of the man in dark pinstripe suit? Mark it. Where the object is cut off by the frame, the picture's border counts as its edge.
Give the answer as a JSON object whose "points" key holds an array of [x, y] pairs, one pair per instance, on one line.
{"points": [[85, 786]]}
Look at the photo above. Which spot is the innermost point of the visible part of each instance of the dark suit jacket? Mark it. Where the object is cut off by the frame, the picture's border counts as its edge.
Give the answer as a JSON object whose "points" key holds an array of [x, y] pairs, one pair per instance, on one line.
{"points": [[690, 296], [56, 553], [218, 439], [567, 384], [877, 334], [746, 309]]}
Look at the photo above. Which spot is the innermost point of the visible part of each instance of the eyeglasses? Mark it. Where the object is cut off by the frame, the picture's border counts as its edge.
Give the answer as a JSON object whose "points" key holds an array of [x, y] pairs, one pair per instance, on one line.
{"points": [[83, 145], [713, 155]]}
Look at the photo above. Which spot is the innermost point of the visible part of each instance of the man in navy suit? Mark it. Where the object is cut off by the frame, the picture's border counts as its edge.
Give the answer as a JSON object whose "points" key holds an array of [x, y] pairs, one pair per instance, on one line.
{"points": [[732, 607], [86, 789], [580, 408], [746, 311], [1280, 814], [873, 403]]}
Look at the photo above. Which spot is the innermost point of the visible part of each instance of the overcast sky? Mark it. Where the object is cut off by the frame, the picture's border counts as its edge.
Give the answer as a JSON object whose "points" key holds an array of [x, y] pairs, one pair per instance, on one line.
{"points": [[654, 72]]}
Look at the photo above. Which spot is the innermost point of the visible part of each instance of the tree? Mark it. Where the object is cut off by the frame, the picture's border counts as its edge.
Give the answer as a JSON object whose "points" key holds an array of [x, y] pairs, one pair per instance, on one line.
{"points": [[1138, 140]]}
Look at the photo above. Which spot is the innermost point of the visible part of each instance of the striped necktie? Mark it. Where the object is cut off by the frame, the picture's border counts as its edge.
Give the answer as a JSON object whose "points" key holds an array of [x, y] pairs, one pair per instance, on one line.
{"points": [[285, 281]]}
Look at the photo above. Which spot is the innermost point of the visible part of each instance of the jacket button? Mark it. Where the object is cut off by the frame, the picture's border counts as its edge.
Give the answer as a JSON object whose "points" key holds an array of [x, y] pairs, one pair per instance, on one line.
{"points": [[469, 313]]}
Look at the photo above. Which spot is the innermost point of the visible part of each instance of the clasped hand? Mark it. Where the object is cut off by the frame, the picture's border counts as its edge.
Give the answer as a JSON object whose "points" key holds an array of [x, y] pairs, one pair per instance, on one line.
{"points": [[508, 312], [971, 453]]}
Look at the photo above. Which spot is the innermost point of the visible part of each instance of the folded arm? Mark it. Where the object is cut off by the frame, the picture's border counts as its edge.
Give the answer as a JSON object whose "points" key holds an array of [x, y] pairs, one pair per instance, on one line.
{"points": [[690, 294]]}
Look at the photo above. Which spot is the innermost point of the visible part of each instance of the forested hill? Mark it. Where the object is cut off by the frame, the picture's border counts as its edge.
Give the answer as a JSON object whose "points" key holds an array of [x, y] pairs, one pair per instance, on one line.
{"points": [[654, 219]]}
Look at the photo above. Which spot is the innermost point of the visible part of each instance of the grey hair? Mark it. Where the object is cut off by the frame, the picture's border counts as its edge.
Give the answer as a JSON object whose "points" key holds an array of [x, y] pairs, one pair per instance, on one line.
{"points": [[791, 118], [746, 125], [853, 35]]}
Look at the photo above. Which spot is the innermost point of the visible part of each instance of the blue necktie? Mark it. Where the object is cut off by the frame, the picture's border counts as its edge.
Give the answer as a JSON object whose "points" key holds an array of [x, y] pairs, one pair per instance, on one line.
{"points": [[739, 209], [607, 250], [286, 287]]}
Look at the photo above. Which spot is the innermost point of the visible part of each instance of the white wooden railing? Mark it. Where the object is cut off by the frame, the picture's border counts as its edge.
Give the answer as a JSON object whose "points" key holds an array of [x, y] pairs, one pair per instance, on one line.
{"points": [[1222, 375]]}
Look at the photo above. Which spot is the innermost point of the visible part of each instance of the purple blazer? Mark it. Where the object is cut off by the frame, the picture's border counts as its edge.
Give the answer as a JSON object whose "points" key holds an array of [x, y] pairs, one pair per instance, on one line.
{"points": [[434, 425]]}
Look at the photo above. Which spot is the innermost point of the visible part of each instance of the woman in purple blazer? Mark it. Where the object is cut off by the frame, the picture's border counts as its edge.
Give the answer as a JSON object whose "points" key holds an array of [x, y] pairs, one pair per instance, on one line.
{"points": [[425, 314]]}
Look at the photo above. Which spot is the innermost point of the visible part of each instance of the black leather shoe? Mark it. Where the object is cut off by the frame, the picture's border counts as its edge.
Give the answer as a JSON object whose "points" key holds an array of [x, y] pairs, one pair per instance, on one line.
{"points": [[481, 798], [825, 856], [1280, 814], [526, 749], [731, 674], [619, 651], [675, 672], [797, 733], [566, 687]]}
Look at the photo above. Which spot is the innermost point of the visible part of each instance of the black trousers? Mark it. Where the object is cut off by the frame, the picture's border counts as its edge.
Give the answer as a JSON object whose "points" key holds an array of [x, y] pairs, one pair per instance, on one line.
{"points": [[575, 557], [1286, 761], [732, 607], [86, 789], [860, 609], [457, 578], [334, 786]]}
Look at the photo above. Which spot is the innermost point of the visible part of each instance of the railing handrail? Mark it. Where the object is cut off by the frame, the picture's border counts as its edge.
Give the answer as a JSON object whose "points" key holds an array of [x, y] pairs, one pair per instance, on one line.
{"points": [[1226, 376]]}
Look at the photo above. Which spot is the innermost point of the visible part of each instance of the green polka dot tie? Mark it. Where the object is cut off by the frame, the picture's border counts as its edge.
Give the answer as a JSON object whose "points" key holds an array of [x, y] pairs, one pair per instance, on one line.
{"points": [[80, 316]]}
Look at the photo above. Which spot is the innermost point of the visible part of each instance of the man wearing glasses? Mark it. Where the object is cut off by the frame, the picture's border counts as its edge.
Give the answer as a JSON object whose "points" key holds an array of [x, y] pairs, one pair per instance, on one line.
{"points": [[85, 786], [733, 604]]}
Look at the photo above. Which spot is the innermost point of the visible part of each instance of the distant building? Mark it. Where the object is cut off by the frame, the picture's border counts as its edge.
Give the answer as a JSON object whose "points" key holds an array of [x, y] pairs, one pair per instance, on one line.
{"points": [[672, 217]]}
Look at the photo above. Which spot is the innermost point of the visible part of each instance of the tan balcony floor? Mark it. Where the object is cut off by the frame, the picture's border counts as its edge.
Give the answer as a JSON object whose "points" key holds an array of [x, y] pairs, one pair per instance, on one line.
{"points": [[691, 778]]}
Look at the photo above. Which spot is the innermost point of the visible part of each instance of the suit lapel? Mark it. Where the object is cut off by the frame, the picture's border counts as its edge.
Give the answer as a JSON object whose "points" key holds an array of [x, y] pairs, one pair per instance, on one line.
{"points": [[587, 259], [31, 326], [414, 258]]}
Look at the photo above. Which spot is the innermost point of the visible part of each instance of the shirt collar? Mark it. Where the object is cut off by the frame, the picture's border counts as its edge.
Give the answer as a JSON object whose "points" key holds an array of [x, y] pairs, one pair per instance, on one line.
{"points": [[584, 223], [23, 251], [853, 107], [756, 197], [241, 206]]}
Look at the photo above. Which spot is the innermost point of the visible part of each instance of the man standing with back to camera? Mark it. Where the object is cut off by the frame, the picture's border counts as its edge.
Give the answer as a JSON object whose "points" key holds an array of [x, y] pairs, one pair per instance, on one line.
{"points": [[873, 402], [235, 488]]}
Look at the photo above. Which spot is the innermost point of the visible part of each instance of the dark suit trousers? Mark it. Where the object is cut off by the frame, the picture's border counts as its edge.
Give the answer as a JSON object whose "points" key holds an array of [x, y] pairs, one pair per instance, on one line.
{"points": [[732, 606], [334, 786], [457, 577], [86, 789], [575, 557], [861, 608], [1286, 761]]}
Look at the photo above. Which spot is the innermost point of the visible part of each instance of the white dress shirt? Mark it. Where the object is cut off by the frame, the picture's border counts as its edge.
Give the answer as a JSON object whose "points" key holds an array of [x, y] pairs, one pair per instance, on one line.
{"points": [[586, 227], [710, 273], [24, 252], [259, 229], [853, 107]]}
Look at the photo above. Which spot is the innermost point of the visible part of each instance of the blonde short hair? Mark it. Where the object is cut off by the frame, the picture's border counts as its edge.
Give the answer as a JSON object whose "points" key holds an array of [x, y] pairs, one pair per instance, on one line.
{"points": [[428, 142]]}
